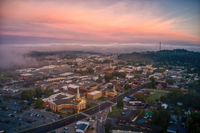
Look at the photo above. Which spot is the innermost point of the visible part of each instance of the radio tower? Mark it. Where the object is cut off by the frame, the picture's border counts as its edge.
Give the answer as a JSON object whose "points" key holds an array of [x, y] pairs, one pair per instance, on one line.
{"points": [[160, 46]]}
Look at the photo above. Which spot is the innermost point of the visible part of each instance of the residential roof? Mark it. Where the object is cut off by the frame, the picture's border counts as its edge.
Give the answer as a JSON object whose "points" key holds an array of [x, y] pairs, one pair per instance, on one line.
{"points": [[157, 74], [149, 113]]}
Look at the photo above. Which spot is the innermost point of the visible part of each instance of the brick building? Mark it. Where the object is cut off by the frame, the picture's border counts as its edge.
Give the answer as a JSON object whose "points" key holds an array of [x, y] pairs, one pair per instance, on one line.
{"points": [[94, 95], [65, 103]]}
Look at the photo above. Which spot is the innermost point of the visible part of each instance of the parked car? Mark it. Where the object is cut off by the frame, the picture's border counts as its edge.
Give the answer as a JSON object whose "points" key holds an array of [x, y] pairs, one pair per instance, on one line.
{"points": [[125, 108], [29, 121], [123, 113], [65, 128], [20, 119], [67, 122]]}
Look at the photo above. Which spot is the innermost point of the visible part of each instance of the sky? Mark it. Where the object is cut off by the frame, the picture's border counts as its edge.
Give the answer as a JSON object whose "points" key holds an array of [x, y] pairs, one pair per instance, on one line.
{"points": [[100, 25]]}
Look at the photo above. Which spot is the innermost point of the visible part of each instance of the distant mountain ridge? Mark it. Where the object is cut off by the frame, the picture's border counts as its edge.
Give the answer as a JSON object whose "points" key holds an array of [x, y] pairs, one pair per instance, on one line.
{"points": [[180, 57]]}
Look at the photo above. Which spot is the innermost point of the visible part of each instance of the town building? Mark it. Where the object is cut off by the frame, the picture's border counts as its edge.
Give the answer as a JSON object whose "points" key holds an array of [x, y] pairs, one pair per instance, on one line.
{"points": [[65, 103], [147, 68], [94, 95], [110, 92]]}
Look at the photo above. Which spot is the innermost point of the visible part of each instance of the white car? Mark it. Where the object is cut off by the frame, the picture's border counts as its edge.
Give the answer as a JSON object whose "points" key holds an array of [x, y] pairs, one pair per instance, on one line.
{"points": [[123, 113], [31, 114], [65, 128], [20, 119], [15, 112], [53, 120], [9, 114], [125, 108]]}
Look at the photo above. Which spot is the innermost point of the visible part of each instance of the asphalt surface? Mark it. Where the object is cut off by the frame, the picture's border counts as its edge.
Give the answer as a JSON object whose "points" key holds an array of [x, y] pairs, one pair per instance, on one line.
{"points": [[129, 92], [97, 108], [55, 125]]}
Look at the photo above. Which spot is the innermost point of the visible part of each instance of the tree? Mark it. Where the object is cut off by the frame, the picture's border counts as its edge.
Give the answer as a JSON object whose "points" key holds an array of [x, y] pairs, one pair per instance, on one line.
{"points": [[90, 70], [189, 70], [176, 111], [108, 77], [126, 87], [163, 99], [137, 76], [175, 95], [182, 80], [149, 73], [155, 117], [138, 95], [28, 94], [31, 94], [170, 81], [48, 92], [38, 91], [164, 117], [152, 81], [193, 122], [150, 101], [130, 80], [39, 103], [21, 102], [120, 104], [99, 80]]}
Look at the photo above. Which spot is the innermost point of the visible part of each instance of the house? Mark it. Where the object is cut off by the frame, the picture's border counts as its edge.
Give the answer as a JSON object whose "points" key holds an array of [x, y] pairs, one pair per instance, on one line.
{"points": [[172, 129], [147, 68], [183, 121], [157, 75], [128, 126], [148, 114], [173, 119], [164, 105], [187, 112], [160, 85]]}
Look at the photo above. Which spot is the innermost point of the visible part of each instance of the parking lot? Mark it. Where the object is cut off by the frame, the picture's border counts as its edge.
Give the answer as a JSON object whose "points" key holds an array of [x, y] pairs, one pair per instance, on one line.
{"points": [[11, 120]]}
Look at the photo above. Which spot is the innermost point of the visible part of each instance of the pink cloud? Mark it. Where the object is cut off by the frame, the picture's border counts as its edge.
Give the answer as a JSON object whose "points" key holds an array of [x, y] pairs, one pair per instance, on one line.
{"points": [[117, 22]]}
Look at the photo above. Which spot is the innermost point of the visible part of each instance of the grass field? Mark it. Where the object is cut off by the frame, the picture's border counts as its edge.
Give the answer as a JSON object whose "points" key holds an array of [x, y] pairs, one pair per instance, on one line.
{"points": [[115, 111], [150, 91], [156, 95], [90, 105], [102, 99]]}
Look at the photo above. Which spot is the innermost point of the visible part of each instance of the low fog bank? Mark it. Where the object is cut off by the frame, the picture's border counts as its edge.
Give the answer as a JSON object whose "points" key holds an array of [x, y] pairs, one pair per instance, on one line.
{"points": [[15, 55]]}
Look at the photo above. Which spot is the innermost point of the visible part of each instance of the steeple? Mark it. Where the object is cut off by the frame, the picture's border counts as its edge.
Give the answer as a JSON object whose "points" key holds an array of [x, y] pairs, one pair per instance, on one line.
{"points": [[113, 87], [78, 94]]}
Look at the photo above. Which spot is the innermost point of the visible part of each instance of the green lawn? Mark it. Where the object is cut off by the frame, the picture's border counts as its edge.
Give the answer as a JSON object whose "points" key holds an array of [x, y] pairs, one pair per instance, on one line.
{"points": [[90, 105], [156, 95], [66, 115], [102, 99], [150, 91], [115, 111]]}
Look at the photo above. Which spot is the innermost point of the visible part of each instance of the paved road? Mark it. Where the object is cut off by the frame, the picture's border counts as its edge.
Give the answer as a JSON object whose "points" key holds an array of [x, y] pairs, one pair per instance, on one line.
{"points": [[55, 125], [120, 97]]}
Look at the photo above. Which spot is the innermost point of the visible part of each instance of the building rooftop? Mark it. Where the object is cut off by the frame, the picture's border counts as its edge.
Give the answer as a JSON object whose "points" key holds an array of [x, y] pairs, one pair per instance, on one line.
{"points": [[94, 92]]}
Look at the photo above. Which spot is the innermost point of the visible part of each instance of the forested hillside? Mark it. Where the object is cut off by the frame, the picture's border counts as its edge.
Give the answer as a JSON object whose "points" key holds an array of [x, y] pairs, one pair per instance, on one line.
{"points": [[177, 57]]}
